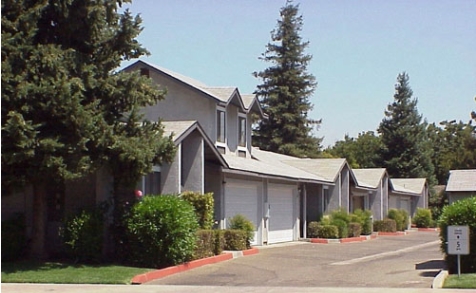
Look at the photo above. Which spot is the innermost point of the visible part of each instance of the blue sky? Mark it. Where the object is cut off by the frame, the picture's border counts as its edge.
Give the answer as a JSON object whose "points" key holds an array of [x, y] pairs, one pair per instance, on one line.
{"points": [[358, 49]]}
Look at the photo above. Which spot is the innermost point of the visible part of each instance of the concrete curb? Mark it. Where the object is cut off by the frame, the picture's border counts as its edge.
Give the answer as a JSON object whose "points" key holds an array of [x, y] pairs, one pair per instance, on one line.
{"points": [[343, 240], [157, 274], [439, 280]]}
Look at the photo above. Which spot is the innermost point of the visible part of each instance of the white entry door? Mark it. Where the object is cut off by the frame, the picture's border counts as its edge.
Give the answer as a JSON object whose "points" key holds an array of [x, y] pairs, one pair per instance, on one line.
{"points": [[281, 212], [241, 197]]}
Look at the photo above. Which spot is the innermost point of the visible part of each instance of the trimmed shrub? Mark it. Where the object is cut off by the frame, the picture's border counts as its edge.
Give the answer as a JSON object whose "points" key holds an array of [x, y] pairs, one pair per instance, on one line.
{"points": [[365, 220], [340, 214], [313, 229], [385, 225], [219, 244], [355, 229], [422, 218], [205, 244], [341, 226], [328, 232], [162, 231], [400, 217], [83, 235], [203, 205], [240, 222], [13, 237], [235, 239], [460, 213]]}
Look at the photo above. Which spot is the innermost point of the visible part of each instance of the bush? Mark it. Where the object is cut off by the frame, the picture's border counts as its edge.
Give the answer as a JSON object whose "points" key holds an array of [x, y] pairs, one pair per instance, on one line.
{"points": [[355, 229], [13, 237], [83, 235], [205, 244], [235, 239], [365, 220], [313, 229], [385, 225], [422, 218], [340, 214], [400, 217], [240, 222], [162, 231], [219, 244], [203, 205], [328, 232], [341, 226], [460, 213]]}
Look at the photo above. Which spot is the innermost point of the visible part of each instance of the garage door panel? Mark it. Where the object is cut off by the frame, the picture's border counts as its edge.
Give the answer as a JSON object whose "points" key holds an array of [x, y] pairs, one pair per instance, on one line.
{"points": [[241, 197], [281, 222]]}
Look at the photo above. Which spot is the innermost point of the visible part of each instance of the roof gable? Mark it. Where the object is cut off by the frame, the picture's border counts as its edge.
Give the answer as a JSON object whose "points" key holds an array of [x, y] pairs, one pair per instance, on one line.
{"points": [[369, 178], [462, 180], [413, 186]]}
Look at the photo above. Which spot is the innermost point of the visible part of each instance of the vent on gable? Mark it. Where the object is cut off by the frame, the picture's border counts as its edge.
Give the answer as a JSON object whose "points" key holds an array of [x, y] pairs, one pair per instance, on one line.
{"points": [[144, 71]]}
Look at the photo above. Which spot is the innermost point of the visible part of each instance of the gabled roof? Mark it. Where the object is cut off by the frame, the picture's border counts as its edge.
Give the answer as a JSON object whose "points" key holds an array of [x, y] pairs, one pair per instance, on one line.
{"points": [[369, 178], [222, 95], [462, 180], [328, 169], [411, 186], [181, 129]]}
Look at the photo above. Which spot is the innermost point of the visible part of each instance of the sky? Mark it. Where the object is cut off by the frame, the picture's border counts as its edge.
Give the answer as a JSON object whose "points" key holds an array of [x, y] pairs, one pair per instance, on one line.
{"points": [[358, 48]]}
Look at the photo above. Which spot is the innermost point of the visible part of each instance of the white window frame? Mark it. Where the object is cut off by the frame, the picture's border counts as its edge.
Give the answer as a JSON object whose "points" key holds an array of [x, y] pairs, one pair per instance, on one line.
{"points": [[242, 116]]}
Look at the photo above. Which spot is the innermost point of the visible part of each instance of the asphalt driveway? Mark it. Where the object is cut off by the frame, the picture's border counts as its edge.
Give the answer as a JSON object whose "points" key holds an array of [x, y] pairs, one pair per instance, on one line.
{"points": [[410, 261]]}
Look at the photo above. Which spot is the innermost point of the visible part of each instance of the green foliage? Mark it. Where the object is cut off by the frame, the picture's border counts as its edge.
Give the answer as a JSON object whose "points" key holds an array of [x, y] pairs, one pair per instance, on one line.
{"points": [[328, 232], [66, 111], [162, 231], [205, 244], [400, 217], [406, 151], [13, 238], [422, 218], [313, 229], [219, 244], [355, 229], [340, 214], [360, 152], [203, 205], [235, 239], [460, 213], [83, 235], [385, 225], [365, 220], [453, 147], [342, 227], [285, 91], [240, 222]]}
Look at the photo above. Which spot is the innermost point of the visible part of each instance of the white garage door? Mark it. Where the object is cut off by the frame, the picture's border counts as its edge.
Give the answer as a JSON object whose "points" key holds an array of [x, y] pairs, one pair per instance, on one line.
{"points": [[241, 197], [281, 221]]}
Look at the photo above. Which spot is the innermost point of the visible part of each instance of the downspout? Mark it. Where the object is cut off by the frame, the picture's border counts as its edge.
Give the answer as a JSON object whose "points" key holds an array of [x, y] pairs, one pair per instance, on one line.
{"points": [[179, 167], [304, 211]]}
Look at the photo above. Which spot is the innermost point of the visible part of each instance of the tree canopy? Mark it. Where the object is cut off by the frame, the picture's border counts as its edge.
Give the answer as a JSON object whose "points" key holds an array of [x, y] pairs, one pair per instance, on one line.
{"points": [[406, 151], [66, 111], [285, 91]]}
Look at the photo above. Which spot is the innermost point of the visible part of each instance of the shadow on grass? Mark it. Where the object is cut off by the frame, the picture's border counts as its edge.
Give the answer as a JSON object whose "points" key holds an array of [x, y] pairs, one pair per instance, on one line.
{"points": [[37, 266]]}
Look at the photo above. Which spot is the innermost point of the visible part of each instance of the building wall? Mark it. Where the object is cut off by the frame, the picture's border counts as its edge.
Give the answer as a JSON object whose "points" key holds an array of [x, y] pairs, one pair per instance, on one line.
{"points": [[213, 183], [192, 163], [345, 191], [170, 176], [453, 196], [314, 202]]}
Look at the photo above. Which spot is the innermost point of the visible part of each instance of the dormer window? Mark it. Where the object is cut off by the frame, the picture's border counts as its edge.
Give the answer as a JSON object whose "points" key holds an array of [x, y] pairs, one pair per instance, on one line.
{"points": [[221, 125], [242, 131]]}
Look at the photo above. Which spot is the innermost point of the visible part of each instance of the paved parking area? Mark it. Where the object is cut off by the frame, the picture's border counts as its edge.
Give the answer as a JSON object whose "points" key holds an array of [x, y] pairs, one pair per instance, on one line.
{"points": [[410, 261]]}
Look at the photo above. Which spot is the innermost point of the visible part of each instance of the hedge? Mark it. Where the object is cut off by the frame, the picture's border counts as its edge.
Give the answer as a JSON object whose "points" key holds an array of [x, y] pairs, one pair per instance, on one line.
{"points": [[203, 205], [385, 225]]}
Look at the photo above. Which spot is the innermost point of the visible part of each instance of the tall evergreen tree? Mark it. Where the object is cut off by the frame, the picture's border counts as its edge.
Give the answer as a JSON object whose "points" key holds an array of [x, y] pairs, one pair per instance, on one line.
{"points": [[406, 150], [285, 91], [65, 110]]}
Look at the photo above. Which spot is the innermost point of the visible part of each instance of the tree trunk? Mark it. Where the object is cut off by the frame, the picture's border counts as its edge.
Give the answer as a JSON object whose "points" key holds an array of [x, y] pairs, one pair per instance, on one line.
{"points": [[37, 247]]}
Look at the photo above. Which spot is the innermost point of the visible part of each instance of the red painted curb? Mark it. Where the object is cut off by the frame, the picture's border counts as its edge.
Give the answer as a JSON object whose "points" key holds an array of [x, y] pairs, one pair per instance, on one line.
{"points": [[250, 251], [428, 229], [157, 274], [319, 240]]}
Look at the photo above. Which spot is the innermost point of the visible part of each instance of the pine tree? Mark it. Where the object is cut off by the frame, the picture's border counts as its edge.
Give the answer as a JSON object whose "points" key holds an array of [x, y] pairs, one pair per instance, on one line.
{"points": [[406, 151], [65, 110], [285, 91]]}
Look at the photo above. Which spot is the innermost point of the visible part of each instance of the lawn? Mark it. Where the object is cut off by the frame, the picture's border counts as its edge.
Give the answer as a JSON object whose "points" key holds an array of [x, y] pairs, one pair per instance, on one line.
{"points": [[64, 273], [466, 281]]}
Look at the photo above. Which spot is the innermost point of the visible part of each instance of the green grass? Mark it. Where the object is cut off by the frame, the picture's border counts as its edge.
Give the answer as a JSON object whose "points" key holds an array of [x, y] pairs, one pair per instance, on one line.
{"points": [[64, 273], [466, 281]]}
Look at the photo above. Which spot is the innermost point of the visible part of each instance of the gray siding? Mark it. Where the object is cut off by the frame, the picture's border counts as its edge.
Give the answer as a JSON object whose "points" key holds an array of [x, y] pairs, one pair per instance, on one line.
{"points": [[170, 176], [192, 163]]}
